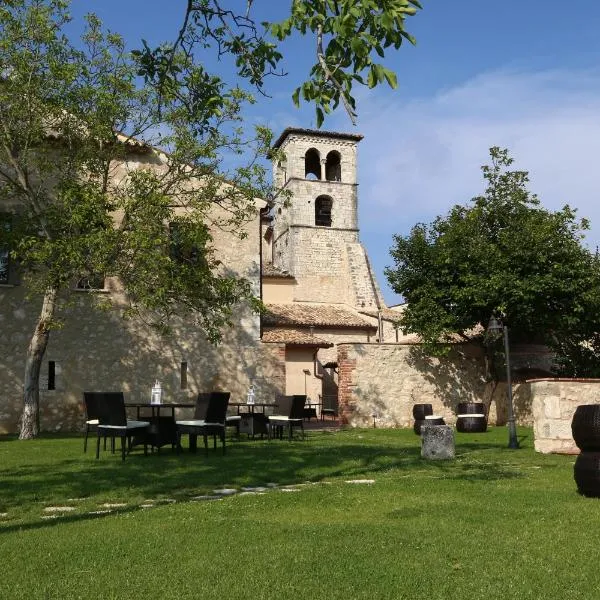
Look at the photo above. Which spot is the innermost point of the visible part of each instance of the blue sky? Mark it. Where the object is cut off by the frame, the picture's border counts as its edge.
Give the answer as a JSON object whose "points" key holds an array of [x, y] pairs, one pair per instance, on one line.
{"points": [[518, 74]]}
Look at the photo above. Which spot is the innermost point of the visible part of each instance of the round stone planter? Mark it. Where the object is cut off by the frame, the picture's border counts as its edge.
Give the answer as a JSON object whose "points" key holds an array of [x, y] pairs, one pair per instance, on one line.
{"points": [[417, 426], [585, 427], [471, 423], [587, 474], [420, 411], [428, 420], [470, 408]]}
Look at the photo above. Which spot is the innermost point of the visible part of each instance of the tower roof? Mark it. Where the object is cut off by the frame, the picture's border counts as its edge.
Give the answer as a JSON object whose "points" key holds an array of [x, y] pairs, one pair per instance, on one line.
{"points": [[356, 137]]}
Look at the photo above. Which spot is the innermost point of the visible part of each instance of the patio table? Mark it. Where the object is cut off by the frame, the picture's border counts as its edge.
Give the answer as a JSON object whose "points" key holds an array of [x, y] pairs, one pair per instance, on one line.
{"points": [[311, 410], [253, 422], [162, 430]]}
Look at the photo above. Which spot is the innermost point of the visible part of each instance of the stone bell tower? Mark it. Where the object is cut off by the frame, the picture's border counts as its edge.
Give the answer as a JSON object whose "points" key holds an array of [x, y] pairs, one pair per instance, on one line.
{"points": [[315, 232]]}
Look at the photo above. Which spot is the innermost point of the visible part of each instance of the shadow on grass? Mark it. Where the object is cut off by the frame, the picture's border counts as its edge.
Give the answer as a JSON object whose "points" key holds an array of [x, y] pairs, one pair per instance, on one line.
{"points": [[40, 480]]}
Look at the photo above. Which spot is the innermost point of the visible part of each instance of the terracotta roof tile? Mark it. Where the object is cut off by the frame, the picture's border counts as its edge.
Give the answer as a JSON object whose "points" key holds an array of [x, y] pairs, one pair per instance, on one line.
{"points": [[295, 337], [315, 315]]}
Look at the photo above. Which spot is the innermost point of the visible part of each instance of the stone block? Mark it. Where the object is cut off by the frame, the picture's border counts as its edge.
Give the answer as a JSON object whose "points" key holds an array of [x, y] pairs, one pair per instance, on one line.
{"points": [[437, 442], [552, 407]]}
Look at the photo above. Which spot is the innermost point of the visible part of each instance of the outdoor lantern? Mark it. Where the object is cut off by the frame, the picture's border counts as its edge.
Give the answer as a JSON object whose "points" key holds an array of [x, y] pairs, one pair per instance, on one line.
{"points": [[156, 394], [496, 326], [250, 396]]}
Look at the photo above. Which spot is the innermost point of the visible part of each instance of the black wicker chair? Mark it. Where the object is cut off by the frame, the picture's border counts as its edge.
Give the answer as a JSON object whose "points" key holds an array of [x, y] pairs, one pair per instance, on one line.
{"points": [[290, 414], [202, 408], [91, 400], [113, 422], [210, 417]]}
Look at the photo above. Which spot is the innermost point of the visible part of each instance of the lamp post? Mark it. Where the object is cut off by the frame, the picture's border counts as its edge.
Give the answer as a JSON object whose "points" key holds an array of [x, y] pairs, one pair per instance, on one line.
{"points": [[496, 326]]}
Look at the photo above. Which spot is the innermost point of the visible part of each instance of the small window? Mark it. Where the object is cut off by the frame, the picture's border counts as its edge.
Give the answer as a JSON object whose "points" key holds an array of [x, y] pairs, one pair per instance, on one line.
{"points": [[183, 373], [312, 164], [333, 166], [323, 206], [51, 375]]}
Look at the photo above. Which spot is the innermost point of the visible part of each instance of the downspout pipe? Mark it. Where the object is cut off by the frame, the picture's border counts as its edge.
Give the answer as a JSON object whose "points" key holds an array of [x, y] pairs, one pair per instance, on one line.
{"points": [[263, 212]]}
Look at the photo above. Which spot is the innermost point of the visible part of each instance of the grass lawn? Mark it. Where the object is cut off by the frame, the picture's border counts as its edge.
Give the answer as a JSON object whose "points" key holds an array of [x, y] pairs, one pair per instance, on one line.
{"points": [[493, 523]]}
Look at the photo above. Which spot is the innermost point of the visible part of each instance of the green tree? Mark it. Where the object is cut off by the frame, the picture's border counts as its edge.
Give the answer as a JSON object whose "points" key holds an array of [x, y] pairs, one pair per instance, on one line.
{"points": [[349, 37], [72, 112], [74, 208], [502, 254]]}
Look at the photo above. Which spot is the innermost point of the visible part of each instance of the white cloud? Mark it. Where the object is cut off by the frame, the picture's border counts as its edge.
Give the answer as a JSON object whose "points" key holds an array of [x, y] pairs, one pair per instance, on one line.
{"points": [[419, 157]]}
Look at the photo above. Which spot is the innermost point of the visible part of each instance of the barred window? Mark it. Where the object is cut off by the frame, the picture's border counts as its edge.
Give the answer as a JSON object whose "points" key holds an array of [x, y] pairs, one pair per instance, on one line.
{"points": [[323, 205]]}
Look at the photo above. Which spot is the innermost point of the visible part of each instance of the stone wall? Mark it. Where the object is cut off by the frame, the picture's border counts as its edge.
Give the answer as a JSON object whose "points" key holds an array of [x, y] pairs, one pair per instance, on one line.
{"points": [[553, 404], [386, 380], [319, 263], [98, 350], [301, 209], [367, 294]]}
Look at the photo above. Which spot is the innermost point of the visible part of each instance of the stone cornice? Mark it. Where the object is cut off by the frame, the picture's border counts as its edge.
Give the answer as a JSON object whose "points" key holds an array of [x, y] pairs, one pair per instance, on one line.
{"points": [[346, 139]]}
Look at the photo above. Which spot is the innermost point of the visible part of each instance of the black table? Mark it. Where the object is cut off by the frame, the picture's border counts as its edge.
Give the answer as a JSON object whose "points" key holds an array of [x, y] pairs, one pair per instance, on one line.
{"points": [[253, 422], [163, 429], [310, 410]]}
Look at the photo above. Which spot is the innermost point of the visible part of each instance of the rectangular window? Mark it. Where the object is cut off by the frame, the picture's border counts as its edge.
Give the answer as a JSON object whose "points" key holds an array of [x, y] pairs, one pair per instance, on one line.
{"points": [[323, 205], [51, 375], [183, 375]]}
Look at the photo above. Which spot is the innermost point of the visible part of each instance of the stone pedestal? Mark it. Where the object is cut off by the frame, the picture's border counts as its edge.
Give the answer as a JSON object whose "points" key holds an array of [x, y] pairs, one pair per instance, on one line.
{"points": [[437, 442]]}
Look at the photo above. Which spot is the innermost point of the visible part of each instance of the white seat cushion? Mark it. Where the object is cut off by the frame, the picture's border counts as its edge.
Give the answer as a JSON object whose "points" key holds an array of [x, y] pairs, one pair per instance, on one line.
{"points": [[198, 423], [234, 418], [92, 422], [134, 423], [130, 425], [428, 417], [473, 415], [282, 419]]}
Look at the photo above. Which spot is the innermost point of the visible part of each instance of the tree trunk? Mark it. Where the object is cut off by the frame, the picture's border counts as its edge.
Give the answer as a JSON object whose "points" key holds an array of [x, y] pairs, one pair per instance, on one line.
{"points": [[30, 422]]}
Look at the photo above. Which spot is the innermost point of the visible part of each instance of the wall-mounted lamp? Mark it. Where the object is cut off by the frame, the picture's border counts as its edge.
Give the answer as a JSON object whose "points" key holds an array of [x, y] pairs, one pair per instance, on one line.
{"points": [[306, 372]]}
